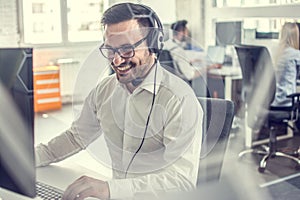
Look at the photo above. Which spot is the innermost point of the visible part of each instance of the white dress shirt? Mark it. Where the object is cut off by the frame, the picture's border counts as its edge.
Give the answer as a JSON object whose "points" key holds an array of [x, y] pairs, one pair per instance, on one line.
{"points": [[179, 55], [168, 159]]}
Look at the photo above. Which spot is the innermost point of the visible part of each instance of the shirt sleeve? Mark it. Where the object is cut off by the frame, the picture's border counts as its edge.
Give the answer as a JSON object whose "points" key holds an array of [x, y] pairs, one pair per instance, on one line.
{"points": [[183, 64], [286, 76], [82, 132], [184, 139]]}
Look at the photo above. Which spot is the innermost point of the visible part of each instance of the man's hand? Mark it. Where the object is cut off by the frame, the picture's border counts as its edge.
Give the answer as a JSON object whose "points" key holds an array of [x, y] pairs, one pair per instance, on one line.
{"points": [[215, 66], [86, 187]]}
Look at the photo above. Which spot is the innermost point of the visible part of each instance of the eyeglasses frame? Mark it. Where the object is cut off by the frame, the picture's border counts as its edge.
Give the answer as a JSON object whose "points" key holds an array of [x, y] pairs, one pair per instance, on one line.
{"points": [[132, 46]]}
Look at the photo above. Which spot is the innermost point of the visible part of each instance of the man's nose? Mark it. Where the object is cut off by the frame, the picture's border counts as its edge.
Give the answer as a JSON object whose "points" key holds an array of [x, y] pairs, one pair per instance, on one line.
{"points": [[117, 59]]}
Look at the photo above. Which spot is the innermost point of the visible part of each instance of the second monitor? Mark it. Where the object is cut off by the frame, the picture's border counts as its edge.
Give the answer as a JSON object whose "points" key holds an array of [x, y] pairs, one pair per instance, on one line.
{"points": [[17, 163]]}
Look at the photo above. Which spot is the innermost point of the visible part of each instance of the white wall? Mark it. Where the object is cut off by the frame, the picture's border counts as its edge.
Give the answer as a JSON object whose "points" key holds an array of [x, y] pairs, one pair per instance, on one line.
{"points": [[165, 9]]}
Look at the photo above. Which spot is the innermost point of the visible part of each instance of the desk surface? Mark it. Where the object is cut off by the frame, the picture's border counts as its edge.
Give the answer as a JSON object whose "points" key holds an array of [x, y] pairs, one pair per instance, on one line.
{"points": [[62, 174], [227, 71]]}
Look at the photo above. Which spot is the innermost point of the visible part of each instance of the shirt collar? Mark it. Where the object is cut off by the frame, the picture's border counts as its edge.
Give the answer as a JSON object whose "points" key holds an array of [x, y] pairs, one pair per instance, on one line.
{"points": [[147, 84]]}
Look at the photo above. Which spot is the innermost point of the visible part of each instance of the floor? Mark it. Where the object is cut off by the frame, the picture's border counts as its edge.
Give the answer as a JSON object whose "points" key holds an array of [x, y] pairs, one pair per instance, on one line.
{"points": [[241, 173], [278, 171]]}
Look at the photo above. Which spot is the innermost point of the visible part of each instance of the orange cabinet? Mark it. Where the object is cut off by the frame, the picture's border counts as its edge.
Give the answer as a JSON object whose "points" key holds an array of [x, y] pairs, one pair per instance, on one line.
{"points": [[46, 88]]}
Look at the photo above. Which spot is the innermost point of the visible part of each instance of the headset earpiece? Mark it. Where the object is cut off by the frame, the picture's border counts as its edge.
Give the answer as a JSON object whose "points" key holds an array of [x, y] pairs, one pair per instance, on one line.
{"points": [[155, 40], [161, 40]]}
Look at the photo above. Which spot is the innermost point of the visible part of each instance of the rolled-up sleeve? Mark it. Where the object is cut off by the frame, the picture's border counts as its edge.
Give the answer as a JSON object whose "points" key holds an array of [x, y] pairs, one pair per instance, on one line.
{"points": [[83, 131]]}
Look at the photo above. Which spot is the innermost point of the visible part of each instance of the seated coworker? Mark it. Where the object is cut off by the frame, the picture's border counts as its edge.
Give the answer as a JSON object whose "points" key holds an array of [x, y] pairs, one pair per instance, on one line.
{"points": [[186, 68], [287, 62], [151, 120], [181, 34]]}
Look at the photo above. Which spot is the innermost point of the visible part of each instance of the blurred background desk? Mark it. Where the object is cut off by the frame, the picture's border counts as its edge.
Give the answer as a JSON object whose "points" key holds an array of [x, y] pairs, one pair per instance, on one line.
{"points": [[227, 75], [225, 83]]}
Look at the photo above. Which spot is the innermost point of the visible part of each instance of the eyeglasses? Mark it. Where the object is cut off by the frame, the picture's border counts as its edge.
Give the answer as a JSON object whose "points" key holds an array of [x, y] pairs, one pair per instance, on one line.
{"points": [[125, 51]]}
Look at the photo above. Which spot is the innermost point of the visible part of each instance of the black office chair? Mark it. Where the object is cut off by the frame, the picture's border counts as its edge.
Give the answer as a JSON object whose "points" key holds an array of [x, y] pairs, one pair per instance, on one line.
{"points": [[258, 90], [217, 121]]}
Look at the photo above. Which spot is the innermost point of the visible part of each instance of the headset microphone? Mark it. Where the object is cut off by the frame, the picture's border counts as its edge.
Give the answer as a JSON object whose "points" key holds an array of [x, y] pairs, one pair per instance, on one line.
{"points": [[137, 81]]}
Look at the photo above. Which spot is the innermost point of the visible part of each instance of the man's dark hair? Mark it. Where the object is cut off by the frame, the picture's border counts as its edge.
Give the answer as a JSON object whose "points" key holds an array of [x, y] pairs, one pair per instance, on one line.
{"points": [[179, 25], [126, 11]]}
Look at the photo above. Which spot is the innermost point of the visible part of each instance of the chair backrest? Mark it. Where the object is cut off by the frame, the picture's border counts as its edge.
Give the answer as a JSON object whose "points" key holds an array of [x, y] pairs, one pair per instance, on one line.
{"points": [[166, 60], [217, 121], [258, 83]]}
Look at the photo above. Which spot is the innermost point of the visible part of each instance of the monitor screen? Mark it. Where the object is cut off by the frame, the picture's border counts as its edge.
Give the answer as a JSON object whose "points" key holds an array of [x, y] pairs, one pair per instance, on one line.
{"points": [[228, 33], [17, 164]]}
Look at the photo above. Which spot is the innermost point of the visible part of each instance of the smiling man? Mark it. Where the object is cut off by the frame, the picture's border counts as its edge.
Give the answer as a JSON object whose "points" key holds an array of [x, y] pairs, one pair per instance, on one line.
{"points": [[131, 60], [151, 120]]}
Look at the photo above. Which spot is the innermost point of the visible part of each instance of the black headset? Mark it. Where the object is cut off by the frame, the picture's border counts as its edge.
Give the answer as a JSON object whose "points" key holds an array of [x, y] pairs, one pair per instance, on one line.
{"points": [[155, 39]]}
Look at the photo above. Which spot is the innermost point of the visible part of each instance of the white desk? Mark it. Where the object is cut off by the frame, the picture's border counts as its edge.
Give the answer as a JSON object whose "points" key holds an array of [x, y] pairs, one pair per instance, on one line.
{"points": [[229, 74], [62, 174]]}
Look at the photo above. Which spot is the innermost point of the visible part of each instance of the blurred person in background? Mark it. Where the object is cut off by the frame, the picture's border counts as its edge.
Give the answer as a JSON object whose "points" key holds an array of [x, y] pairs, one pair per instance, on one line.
{"points": [[182, 35], [186, 65], [287, 64]]}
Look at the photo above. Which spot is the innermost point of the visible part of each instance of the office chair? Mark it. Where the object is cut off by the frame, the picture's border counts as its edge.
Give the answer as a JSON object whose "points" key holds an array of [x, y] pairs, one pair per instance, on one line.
{"points": [[166, 60], [217, 121], [258, 91]]}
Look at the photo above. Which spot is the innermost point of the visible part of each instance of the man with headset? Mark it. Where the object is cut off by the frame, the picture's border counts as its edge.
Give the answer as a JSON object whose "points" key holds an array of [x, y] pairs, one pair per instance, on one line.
{"points": [[181, 35], [151, 120]]}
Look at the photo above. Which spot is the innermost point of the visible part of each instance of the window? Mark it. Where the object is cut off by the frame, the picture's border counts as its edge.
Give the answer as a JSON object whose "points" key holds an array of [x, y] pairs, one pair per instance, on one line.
{"points": [[42, 21], [84, 20], [62, 21]]}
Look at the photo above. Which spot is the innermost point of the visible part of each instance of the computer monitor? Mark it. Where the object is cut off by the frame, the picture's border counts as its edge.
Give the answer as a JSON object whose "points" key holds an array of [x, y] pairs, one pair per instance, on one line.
{"points": [[228, 33], [17, 164]]}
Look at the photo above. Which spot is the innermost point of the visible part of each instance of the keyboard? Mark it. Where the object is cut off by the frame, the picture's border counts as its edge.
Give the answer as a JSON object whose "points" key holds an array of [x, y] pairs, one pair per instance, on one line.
{"points": [[48, 192]]}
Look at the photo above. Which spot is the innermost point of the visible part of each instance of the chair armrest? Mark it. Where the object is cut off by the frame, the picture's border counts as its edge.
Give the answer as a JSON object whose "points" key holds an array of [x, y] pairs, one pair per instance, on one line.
{"points": [[293, 95]]}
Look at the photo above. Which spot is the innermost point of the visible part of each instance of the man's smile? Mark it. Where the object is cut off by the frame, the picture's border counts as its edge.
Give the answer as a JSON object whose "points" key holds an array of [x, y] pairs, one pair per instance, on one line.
{"points": [[124, 68]]}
